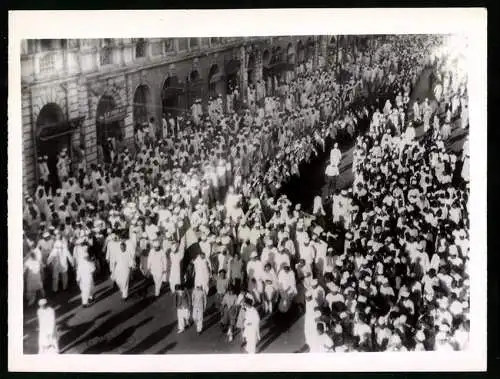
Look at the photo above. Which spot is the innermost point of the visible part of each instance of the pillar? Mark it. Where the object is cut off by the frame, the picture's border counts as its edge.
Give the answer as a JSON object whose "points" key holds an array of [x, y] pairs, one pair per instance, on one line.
{"points": [[30, 175], [316, 52], [127, 96], [88, 130], [243, 72]]}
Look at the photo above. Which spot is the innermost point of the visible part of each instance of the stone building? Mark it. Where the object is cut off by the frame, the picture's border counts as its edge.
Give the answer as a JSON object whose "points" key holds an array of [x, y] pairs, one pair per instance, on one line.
{"points": [[76, 93]]}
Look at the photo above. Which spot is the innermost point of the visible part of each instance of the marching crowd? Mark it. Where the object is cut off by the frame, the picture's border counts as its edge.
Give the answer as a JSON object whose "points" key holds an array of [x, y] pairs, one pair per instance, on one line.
{"points": [[199, 209]]}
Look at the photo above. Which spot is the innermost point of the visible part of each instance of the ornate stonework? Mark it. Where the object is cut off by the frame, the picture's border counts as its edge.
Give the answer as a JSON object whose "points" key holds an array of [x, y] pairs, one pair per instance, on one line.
{"points": [[46, 95]]}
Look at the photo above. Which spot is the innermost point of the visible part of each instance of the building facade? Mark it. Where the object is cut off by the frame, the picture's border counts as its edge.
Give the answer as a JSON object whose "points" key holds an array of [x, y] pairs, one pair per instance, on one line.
{"points": [[76, 93]]}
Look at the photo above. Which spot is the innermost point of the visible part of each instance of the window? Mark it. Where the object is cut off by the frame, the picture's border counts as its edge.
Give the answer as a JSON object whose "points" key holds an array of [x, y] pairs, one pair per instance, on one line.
{"points": [[169, 45], [107, 42], [31, 46], [183, 44], [140, 48], [47, 44], [48, 63], [193, 43], [106, 56]]}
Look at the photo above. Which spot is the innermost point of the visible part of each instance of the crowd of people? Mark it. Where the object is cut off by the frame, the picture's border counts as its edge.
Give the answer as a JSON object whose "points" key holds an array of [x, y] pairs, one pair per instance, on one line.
{"points": [[201, 211]]}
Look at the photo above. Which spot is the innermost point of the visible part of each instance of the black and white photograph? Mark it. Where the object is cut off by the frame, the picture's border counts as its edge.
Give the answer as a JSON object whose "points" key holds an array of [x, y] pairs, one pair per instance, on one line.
{"points": [[299, 194]]}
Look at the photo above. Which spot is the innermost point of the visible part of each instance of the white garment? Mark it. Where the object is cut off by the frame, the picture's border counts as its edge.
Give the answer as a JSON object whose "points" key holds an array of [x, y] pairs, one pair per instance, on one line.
{"points": [[47, 336], [85, 279], [251, 331]]}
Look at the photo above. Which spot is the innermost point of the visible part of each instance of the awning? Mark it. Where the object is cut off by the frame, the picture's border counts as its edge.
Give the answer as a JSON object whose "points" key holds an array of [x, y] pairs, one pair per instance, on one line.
{"points": [[172, 91], [114, 115], [232, 67], [48, 132], [216, 77], [279, 67]]}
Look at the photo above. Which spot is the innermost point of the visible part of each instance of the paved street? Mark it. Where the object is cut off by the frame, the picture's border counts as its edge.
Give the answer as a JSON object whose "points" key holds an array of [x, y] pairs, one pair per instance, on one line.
{"points": [[148, 326]]}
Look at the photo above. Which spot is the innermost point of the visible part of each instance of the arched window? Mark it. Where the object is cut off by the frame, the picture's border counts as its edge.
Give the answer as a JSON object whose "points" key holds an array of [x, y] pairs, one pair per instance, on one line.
{"points": [[140, 48], [183, 44], [193, 43]]}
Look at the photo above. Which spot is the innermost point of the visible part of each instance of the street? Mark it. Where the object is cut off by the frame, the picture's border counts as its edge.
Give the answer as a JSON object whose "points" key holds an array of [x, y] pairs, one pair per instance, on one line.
{"points": [[149, 325]]}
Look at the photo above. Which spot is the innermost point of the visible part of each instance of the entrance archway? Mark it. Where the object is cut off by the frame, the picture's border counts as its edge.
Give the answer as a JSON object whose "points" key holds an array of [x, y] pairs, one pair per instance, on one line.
{"points": [[195, 87], [215, 83], [251, 72], [266, 57], [301, 54], [309, 49], [52, 136], [142, 102], [109, 122], [171, 96], [232, 70]]}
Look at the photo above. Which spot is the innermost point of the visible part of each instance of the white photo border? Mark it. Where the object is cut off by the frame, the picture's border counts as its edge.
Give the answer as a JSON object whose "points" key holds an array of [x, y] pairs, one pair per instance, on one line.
{"points": [[183, 23]]}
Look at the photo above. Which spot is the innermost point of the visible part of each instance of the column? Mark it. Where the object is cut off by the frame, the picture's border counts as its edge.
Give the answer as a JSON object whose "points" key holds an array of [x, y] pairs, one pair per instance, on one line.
{"points": [[127, 96], [316, 52], [30, 175], [88, 131], [243, 73]]}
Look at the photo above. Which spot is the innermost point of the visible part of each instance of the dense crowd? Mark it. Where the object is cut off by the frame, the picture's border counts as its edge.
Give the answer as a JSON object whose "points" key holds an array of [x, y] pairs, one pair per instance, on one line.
{"points": [[199, 208]]}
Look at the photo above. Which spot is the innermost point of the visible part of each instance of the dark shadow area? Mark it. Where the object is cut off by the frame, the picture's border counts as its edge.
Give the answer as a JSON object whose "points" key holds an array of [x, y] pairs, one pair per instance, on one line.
{"points": [[167, 348], [118, 319], [106, 346], [70, 338], [303, 349], [152, 339], [281, 324]]}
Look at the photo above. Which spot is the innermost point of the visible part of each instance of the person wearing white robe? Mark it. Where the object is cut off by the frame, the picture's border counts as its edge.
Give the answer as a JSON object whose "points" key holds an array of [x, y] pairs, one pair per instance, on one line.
{"points": [[416, 111], [270, 282], [321, 248], [202, 270], [122, 265], [323, 343], [310, 319], [251, 331], [47, 331], [287, 286], [85, 278], [255, 268], [59, 259], [176, 257], [335, 155], [157, 265], [33, 270], [307, 252]]}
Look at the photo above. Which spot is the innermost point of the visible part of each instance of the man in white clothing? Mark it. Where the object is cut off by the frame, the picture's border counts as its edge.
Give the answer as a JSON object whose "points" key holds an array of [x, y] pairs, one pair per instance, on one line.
{"points": [[85, 278], [157, 265], [121, 270], [335, 155], [251, 331], [202, 270], [59, 259], [47, 335]]}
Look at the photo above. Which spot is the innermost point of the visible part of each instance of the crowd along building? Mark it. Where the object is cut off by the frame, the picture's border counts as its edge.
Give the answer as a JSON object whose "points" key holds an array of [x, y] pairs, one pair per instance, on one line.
{"points": [[78, 92]]}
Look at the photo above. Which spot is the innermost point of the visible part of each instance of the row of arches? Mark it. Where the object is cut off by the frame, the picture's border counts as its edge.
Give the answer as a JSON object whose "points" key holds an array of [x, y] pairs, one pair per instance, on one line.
{"points": [[176, 95]]}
